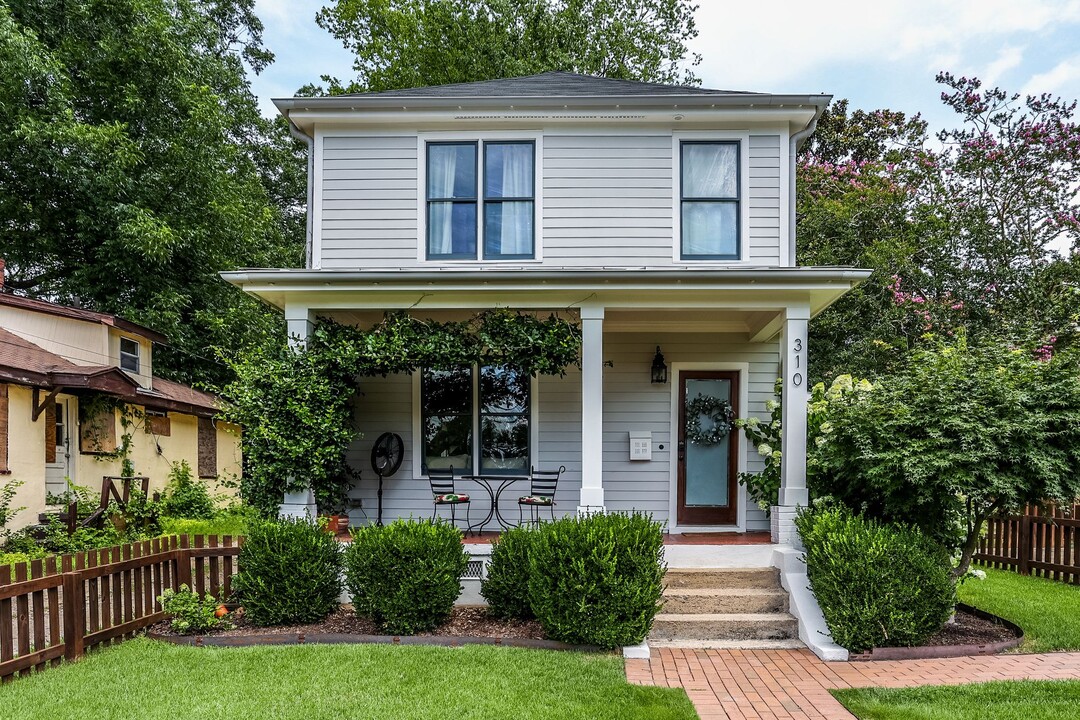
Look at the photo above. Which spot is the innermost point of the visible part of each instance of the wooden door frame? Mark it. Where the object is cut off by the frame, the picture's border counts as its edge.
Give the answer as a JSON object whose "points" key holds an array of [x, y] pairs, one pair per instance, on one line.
{"points": [[743, 370]]}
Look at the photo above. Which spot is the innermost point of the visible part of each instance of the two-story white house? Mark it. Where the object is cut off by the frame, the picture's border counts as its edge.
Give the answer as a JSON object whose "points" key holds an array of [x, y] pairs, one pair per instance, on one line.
{"points": [[660, 217]]}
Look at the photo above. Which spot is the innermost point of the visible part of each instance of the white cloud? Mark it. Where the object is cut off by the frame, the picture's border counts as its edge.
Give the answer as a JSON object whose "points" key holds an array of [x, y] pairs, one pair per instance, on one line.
{"points": [[1063, 79], [759, 46]]}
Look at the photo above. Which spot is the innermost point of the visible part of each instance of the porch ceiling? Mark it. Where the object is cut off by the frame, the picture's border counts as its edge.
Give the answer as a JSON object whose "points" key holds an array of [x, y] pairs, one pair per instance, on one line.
{"points": [[749, 297]]}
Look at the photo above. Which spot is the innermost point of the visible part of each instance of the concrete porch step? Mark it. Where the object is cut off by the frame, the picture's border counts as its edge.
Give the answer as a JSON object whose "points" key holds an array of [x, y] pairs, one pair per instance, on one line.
{"points": [[725, 578], [728, 644], [725, 600], [724, 626]]}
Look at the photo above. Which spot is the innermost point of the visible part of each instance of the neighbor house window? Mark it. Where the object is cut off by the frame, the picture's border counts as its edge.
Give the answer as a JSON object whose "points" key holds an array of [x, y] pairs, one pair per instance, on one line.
{"points": [[488, 417], [129, 355], [710, 201], [502, 216]]}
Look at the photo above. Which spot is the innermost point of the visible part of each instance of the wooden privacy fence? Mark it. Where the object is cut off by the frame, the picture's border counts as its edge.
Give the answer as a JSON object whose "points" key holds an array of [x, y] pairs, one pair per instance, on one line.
{"points": [[49, 612], [1039, 542]]}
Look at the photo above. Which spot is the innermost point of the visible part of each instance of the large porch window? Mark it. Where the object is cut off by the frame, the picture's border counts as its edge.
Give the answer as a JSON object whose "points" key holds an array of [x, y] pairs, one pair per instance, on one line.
{"points": [[470, 413]]}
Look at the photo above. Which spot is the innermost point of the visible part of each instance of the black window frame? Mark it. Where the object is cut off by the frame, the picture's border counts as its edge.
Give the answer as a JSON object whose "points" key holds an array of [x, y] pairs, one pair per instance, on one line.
{"points": [[477, 415], [485, 200], [137, 355], [479, 199], [736, 201], [474, 200]]}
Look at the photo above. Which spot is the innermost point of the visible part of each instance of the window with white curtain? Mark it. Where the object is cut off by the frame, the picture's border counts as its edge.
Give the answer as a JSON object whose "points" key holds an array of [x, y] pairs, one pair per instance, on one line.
{"points": [[504, 211], [710, 200]]}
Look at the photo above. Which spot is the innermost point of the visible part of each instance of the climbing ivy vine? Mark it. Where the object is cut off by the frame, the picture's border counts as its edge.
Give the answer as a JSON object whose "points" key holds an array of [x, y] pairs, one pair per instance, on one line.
{"points": [[296, 406]]}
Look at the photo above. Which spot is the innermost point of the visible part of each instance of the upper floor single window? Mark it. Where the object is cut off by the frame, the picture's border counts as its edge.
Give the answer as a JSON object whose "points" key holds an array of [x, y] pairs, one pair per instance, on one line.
{"points": [[481, 210], [710, 200], [129, 355]]}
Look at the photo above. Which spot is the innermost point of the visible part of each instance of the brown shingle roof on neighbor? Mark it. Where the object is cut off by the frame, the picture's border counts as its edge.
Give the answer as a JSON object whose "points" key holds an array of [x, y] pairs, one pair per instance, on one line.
{"points": [[49, 308], [24, 363]]}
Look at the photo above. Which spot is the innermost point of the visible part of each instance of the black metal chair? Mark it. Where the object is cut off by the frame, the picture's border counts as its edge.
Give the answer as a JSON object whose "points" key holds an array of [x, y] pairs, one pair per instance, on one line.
{"points": [[542, 484], [443, 492]]}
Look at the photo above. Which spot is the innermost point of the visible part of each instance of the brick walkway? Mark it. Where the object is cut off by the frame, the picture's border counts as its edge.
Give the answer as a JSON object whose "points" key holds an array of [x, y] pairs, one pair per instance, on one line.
{"points": [[794, 684]]}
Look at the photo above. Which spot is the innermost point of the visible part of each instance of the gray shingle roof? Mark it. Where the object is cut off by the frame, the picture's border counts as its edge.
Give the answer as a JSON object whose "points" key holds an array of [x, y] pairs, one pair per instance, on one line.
{"points": [[555, 83]]}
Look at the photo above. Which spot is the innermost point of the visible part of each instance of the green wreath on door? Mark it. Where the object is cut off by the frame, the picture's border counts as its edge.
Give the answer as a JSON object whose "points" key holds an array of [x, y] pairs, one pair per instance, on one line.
{"points": [[717, 411]]}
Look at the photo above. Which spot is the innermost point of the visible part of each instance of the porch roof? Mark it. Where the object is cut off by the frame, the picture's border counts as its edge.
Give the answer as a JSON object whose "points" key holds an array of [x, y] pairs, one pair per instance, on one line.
{"points": [[745, 289]]}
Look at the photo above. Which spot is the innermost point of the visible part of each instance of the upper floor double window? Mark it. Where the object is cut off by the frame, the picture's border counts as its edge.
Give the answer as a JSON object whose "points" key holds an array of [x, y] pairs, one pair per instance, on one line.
{"points": [[481, 200], [709, 199]]}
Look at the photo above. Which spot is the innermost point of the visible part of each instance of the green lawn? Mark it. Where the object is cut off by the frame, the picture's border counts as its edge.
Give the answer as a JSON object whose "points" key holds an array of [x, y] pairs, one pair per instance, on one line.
{"points": [[1048, 611], [156, 681], [1026, 700]]}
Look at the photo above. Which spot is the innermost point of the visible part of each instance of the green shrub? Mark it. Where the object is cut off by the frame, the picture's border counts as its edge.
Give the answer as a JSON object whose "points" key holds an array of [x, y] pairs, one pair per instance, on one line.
{"points": [[406, 575], [185, 496], [597, 579], [506, 587], [190, 613], [233, 520], [878, 585], [290, 572]]}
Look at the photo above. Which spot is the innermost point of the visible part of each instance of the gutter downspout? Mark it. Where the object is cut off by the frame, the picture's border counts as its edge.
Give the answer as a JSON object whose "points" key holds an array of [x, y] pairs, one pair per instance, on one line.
{"points": [[796, 142], [303, 137]]}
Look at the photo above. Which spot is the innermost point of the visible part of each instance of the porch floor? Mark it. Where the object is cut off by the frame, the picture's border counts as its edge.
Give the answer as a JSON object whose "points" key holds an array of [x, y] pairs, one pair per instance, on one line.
{"points": [[704, 538]]}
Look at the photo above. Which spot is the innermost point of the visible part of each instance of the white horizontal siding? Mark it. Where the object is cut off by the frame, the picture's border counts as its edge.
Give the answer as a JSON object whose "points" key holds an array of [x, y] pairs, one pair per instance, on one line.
{"points": [[607, 197], [601, 197], [631, 402], [764, 198], [368, 203]]}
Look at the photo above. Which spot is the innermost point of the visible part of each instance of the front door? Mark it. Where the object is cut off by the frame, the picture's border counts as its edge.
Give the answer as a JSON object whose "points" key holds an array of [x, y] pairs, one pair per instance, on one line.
{"points": [[707, 463], [58, 430]]}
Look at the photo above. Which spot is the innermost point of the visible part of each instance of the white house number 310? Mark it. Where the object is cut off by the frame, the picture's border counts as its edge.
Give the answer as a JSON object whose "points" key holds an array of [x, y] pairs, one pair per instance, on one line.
{"points": [[797, 378]]}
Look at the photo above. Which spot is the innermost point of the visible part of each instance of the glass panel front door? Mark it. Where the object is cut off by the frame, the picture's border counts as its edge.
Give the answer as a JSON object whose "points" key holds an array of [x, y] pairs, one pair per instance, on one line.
{"points": [[707, 464]]}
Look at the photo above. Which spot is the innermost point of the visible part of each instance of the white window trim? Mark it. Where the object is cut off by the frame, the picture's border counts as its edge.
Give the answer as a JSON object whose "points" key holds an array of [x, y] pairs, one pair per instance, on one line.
{"points": [[677, 139], [418, 432], [138, 355], [673, 467], [423, 138]]}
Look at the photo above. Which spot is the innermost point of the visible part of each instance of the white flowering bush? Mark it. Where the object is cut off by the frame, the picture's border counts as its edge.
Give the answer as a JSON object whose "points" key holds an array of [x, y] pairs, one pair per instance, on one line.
{"points": [[955, 435], [763, 487]]}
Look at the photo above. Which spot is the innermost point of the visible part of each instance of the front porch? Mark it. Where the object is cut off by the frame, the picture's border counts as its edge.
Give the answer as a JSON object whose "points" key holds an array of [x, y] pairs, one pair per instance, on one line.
{"points": [[736, 331]]}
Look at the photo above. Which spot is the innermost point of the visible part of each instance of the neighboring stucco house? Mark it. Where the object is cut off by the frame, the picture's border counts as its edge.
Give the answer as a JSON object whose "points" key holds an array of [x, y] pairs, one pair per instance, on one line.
{"points": [[53, 360], [659, 216]]}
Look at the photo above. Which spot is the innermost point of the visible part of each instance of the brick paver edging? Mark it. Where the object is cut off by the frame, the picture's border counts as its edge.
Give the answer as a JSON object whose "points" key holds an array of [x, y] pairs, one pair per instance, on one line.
{"points": [[795, 684]]}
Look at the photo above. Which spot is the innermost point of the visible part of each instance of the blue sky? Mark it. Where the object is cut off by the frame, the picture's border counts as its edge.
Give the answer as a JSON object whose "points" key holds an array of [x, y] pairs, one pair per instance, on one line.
{"points": [[877, 53]]}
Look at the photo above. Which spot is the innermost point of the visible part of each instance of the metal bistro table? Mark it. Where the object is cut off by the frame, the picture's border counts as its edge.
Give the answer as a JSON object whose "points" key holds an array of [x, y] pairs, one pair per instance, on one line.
{"points": [[493, 484]]}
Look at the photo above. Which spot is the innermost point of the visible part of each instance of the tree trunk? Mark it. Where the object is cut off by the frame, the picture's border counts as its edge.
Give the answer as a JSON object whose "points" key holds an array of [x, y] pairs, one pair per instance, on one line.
{"points": [[971, 543]]}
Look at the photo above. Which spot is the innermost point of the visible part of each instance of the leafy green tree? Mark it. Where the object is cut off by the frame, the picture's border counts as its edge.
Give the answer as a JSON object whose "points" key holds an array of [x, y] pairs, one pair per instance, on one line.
{"points": [[956, 434], [414, 43], [960, 238], [134, 165]]}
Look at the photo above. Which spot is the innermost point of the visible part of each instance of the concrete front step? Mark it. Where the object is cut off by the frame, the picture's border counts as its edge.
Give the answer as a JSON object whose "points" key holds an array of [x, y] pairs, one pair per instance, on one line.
{"points": [[691, 578], [725, 600], [724, 626]]}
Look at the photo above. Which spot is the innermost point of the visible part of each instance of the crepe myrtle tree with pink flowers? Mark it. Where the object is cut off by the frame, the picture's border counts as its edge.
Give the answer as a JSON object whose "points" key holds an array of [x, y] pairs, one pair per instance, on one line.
{"points": [[978, 231]]}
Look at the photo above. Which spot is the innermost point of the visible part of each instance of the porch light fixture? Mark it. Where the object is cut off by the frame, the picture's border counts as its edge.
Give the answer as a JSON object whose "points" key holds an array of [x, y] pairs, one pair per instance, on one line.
{"points": [[659, 368]]}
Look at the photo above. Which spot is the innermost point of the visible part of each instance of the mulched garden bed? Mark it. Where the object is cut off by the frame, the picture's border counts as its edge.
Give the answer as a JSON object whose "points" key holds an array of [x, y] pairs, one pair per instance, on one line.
{"points": [[973, 633], [464, 622], [466, 626]]}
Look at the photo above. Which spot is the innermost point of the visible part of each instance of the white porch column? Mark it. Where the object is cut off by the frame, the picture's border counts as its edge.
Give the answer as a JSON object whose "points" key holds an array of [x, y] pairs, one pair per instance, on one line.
{"points": [[795, 393], [299, 322], [592, 409]]}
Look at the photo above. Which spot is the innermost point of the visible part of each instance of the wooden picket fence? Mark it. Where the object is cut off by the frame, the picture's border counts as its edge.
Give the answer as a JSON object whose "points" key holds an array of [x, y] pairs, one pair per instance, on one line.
{"points": [[1042, 542], [51, 611]]}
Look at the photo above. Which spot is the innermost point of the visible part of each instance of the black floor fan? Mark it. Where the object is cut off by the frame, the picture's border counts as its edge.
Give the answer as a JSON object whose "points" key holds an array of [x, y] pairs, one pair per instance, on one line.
{"points": [[386, 456]]}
